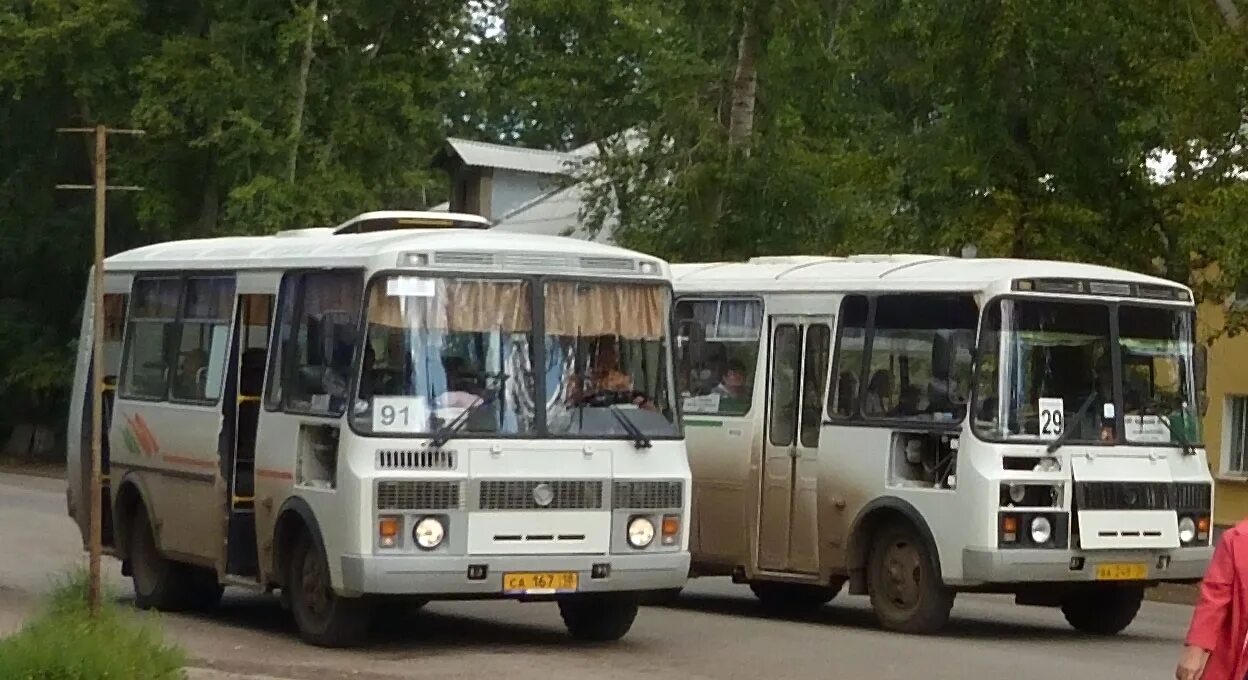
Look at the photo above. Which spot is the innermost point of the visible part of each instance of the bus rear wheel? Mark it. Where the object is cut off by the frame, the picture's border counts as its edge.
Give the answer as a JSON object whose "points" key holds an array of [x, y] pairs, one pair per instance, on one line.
{"points": [[907, 594], [323, 617], [1104, 611], [164, 584], [598, 618], [793, 597]]}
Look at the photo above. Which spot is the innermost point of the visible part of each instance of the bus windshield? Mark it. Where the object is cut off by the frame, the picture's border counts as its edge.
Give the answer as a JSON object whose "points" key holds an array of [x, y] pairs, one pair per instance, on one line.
{"points": [[606, 350], [436, 347], [442, 350], [1046, 371]]}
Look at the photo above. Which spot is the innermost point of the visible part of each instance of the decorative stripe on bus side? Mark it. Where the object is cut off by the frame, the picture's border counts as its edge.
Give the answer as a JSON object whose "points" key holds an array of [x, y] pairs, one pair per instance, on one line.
{"points": [[274, 474], [703, 423], [183, 460]]}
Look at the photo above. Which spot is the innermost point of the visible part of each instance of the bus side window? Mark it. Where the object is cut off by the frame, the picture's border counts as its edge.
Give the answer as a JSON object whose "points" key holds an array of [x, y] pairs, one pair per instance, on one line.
{"points": [[717, 376], [203, 339], [920, 363], [318, 338], [844, 389], [151, 326]]}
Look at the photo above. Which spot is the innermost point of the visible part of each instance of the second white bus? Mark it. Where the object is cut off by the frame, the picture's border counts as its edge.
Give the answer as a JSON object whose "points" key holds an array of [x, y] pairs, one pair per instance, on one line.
{"points": [[917, 426]]}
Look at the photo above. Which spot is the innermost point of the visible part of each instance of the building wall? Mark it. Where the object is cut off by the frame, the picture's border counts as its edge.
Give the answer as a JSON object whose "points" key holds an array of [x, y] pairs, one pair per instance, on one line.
{"points": [[1228, 376], [511, 189]]}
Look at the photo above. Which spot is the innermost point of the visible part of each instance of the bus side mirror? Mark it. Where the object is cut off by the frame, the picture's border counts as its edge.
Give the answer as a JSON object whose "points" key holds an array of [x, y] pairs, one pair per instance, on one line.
{"points": [[1201, 369]]}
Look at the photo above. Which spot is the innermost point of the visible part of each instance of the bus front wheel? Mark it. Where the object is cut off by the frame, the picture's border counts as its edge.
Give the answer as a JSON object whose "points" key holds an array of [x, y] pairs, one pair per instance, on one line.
{"points": [[323, 617], [907, 594], [1104, 611], [598, 618]]}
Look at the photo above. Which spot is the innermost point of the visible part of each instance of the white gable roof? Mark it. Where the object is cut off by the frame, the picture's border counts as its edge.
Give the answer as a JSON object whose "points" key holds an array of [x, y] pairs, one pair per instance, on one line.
{"points": [[486, 155]]}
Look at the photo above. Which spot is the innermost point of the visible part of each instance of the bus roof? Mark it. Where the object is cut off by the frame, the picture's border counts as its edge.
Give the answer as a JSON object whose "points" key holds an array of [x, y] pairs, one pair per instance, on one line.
{"points": [[321, 247], [889, 272]]}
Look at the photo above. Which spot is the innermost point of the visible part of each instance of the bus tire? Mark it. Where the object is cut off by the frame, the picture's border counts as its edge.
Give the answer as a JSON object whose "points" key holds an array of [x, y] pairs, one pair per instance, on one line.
{"points": [[1104, 611], [203, 590], [323, 618], [793, 597], [907, 594], [598, 618], [159, 583]]}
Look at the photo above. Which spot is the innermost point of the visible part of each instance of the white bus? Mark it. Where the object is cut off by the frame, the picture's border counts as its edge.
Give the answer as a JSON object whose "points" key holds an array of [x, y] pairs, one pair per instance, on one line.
{"points": [[402, 408], [919, 426]]}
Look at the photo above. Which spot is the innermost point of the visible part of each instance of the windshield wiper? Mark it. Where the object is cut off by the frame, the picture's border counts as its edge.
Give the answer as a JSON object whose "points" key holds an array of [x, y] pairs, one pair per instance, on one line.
{"points": [[640, 440], [1188, 448], [452, 428], [1083, 410]]}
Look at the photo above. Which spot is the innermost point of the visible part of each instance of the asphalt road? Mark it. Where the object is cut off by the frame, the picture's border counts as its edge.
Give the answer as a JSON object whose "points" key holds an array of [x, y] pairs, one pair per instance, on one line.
{"points": [[713, 631]]}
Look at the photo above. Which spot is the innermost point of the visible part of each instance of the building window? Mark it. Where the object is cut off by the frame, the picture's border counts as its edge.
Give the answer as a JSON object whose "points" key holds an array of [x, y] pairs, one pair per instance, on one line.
{"points": [[1236, 420]]}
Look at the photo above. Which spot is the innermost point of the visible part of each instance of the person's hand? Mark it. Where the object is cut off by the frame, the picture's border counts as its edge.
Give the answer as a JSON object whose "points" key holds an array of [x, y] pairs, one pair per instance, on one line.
{"points": [[1191, 663]]}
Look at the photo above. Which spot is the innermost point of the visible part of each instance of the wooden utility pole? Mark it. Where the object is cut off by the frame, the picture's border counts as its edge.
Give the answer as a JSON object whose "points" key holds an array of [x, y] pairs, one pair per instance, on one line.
{"points": [[101, 188]]}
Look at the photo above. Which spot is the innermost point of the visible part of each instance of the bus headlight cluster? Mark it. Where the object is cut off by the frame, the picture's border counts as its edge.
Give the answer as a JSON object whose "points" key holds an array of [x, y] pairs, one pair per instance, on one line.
{"points": [[640, 532], [1193, 530], [1032, 530], [429, 533]]}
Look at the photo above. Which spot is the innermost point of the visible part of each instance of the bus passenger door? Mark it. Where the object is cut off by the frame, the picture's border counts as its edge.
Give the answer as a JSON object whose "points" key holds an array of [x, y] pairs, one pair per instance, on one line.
{"points": [[788, 518], [249, 358]]}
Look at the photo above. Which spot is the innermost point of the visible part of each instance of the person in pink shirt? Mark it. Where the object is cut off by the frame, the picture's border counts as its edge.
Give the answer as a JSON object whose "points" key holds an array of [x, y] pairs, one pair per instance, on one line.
{"points": [[1216, 638]]}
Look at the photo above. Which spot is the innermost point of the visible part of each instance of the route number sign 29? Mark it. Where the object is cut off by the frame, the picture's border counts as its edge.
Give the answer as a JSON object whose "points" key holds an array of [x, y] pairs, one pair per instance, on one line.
{"points": [[1052, 417]]}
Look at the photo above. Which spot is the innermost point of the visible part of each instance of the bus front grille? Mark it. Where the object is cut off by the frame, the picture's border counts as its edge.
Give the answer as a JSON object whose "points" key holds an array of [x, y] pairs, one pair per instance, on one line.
{"points": [[552, 495], [647, 495], [416, 459], [1193, 496], [418, 495], [1124, 496]]}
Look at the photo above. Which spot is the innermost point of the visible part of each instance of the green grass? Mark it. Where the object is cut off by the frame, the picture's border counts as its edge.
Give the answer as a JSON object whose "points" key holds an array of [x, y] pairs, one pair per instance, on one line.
{"points": [[63, 642]]}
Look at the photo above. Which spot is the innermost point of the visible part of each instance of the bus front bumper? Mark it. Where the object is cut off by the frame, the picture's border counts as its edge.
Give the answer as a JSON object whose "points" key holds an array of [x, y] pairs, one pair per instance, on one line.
{"points": [[447, 576], [1046, 566]]}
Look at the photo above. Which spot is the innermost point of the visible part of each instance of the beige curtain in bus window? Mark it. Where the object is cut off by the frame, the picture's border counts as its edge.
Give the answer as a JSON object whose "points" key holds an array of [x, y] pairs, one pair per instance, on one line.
{"points": [[456, 306], [633, 312]]}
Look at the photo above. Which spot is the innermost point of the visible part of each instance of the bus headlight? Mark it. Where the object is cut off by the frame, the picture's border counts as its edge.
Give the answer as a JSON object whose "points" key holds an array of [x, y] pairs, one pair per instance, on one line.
{"points": [[640, 532], [1017, 493], [429, 533], [1187, 530], [1041, 530]]}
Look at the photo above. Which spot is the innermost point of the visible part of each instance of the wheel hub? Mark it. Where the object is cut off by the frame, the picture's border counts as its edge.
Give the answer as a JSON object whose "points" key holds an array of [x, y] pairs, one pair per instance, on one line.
{"points": [[903, 574]]}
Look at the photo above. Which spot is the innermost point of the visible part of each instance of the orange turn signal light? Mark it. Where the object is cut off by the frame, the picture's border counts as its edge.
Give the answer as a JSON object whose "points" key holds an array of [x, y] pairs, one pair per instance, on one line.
{"points": [[388, 531], [671, 528]]}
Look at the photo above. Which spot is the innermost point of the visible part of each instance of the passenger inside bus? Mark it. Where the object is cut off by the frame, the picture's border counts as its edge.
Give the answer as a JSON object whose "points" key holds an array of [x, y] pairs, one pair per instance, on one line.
{"points": [[879, 393], [191, 377]]}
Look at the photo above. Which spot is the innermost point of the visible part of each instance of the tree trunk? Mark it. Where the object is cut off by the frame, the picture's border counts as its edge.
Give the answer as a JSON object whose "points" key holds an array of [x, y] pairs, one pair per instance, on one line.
{"points": [[1229, 12], [301, 93], [745, 81]]}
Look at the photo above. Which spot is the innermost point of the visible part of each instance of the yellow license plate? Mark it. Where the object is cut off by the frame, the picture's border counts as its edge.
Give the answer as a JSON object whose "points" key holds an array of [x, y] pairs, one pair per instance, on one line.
{"points": [[540, 582], [1116, 571]]}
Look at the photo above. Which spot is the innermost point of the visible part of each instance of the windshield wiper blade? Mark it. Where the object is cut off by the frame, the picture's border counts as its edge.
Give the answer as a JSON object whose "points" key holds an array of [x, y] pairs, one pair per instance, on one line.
{"points": [[1083, 410], [449, 430], [640, 440], [1188, 448]]}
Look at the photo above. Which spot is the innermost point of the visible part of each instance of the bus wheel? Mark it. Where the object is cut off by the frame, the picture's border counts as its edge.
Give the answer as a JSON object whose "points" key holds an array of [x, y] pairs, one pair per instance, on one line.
{"points": [[158, 583], [598, 618], [906, 593], [793, 597], [1104, 611], [322, 617]]}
